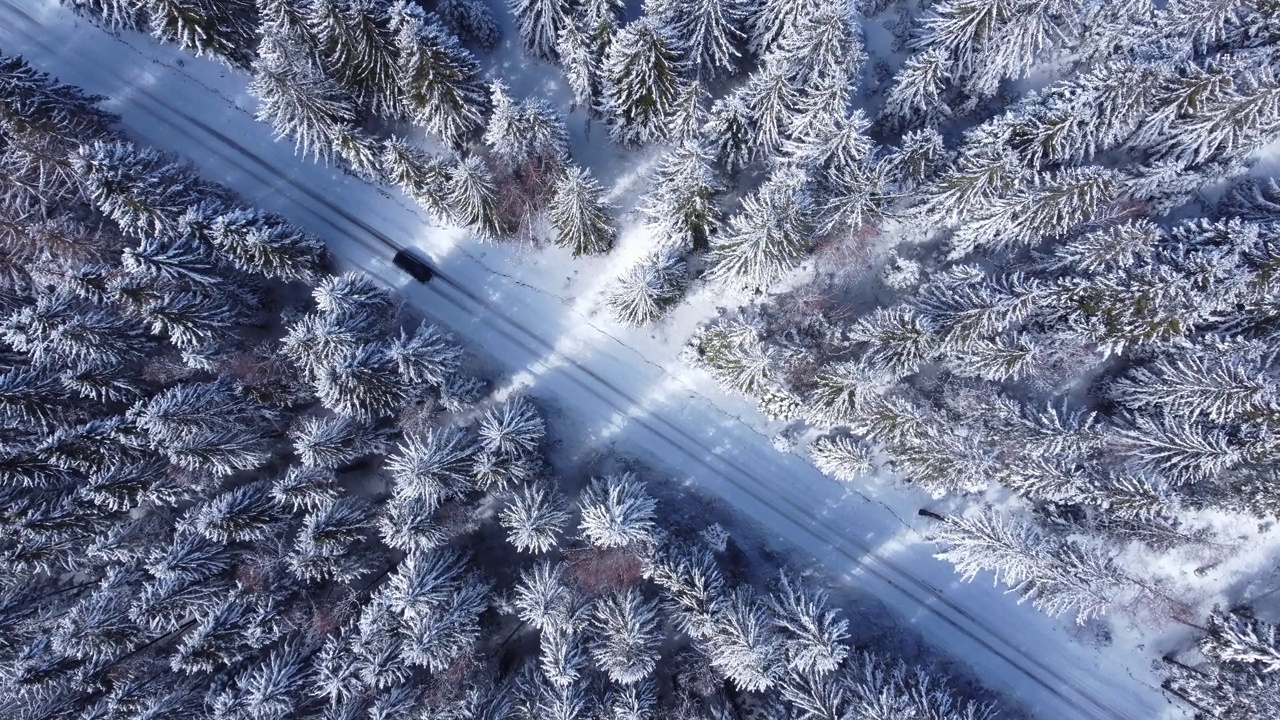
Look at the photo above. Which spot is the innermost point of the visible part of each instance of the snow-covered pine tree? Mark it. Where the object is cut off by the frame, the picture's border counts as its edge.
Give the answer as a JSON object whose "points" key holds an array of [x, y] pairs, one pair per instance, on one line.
{"points": [[1082, 116], [191, 556], [60, 332], [325, 547], [304, 487], [1178, 448], [824, 133], [226, 30], [97, 628], [914, 162], [815, 636], [321, 340], [528, 135], [45, 123], [1236, 637], [689, 114], [473, 199], [1049, 205], [962, 29], [617, 511], [1252, 200], [439, 80], [192, 408], [627, 636], [826, 136], [335, 442], [471, 20], [770, 235], [600, 20], [960, 312], [407, 523], [942, 459], [744, 644], [298, 99], [1016, 43], [1055, 575], [535, 518], [420, 582], [541, 23], [428, 356], [682, 206], [363, 384], [916, 97], [823, 47], [692, 586], [580, 214], [1179, 88], [262, 244], [1229, 692], [438, 637], [638, 701], [284, 19], [143, 190], [894, 341], [243, 514], [89, 447], [422, 177], [356, 43], [641, 78], [771, 99], [114, 15], [360, 151], [181, 259], [31, 397], [433, 465], [841, 457], [708, 32], [513, 428], [571, 701], [647, 289], [499, 472], [562, 651], [1005, 357], [581, 66], [1220, 386], [1230, 125], [770, 21], [273, 687], [541, 597], [103, 381], [191, 320], [739, 358], [351, 292], [732, 132], [979, 176]]}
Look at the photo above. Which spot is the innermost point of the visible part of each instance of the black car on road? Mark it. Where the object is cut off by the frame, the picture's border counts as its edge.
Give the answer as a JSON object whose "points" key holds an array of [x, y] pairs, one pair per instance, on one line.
{"points": [[412, 264]]}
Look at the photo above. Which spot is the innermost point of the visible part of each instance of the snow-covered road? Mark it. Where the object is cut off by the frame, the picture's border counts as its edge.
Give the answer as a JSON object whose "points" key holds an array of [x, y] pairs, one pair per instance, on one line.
{"points": [[626, 389]]}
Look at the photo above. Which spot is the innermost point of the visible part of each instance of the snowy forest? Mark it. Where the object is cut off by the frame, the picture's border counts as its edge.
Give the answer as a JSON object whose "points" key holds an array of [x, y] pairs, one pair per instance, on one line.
{"points": [[1017, 255], [236, 486]]}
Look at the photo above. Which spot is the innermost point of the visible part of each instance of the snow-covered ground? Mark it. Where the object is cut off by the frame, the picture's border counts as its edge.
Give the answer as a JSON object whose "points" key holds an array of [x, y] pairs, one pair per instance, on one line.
{"points": [[536, 316]]}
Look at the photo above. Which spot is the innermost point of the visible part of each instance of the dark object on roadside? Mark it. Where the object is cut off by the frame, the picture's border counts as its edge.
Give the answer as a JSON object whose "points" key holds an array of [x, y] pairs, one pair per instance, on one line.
{"points": [[412, 264], [931, 514]]}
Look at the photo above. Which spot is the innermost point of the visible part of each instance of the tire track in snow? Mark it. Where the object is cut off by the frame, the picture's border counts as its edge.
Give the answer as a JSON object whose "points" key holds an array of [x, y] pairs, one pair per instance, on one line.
{"points": [[750, 483]]}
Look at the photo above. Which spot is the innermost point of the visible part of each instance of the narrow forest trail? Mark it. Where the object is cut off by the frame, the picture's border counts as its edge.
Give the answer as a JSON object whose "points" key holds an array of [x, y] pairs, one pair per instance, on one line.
{"points": [[629, 400]]}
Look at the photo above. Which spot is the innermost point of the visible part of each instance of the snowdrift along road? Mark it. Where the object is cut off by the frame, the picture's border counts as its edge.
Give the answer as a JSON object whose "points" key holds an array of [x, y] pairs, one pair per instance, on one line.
{"points": [[628, 400]]}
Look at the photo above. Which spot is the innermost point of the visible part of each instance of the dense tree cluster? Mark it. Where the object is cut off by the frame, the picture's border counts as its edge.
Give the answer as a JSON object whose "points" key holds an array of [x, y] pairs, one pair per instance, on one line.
{"points": [[215, 508], [1080, 310], [1240, 675], [1083, 317]]}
